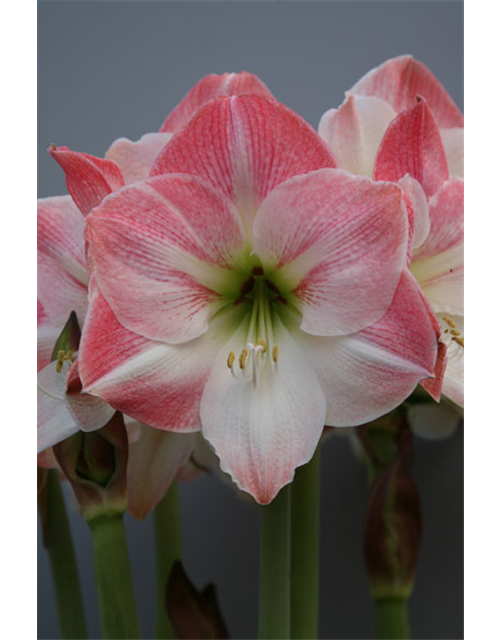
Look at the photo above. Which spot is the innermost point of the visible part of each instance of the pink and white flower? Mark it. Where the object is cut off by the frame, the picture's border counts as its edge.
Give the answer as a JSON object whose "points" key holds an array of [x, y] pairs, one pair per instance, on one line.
{"points": [[398, 123], [253, 290]]}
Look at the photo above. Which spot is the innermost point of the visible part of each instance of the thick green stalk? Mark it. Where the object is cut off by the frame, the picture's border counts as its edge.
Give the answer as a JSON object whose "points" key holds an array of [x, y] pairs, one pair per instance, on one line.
{"points": [[275, 547], [168, 546], [392, 619], [305, 550], [115, 590], [63, 563]]}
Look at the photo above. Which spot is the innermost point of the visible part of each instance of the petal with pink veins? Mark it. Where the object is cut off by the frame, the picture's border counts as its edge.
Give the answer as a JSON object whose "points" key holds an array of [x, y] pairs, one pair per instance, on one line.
{"points": [[369, 373], [263, 431], [412, 145], [160, 250], [400, 80], [354, 131], [209, 87], [135, 159], [453, 142], [89, 179], [339, 242], [155, 383], [418, 211], [245, 146], [153, 462], [62, 272]]}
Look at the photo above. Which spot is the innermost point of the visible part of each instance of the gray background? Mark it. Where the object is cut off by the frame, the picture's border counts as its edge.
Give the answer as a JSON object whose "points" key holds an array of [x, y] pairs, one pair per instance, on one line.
{"points": [[111, 69]]}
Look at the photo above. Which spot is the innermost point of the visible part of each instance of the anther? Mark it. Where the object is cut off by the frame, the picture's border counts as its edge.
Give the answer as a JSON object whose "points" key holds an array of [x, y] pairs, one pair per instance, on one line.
{"points": [[262, 344], [454, 332], [230, 359], [450, 322], [243, 358], [459, 341], [275, 353]]}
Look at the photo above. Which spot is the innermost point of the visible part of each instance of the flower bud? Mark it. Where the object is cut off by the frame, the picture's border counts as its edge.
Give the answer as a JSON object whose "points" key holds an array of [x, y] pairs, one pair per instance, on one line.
{"points": [[194, 614], [393, 525], [69, 338], [95, 463]]}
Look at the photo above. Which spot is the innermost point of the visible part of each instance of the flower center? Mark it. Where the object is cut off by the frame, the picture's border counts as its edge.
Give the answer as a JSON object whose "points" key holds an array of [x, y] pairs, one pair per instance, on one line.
{"points": [[451, 331], [260, 349]]}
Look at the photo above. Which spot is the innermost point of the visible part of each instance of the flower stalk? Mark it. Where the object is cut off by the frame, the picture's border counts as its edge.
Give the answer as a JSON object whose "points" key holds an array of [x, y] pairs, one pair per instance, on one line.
{"points": [[59, 545], [168, 549], [275, 547], [392, 619], [305, 550]]}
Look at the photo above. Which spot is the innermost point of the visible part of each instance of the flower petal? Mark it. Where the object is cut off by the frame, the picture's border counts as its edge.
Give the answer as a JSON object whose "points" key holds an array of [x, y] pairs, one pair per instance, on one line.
{"points": [[47, 335], [54, 420], [89, 179], [354, 131], [89, 412], [400, 80], [339, 241], [153, 462], [453, 383], [412, 144], [418, 211], [155, 383], [453, 142], [262, 432], [158, 249], [245, 146], [369, 373], [135, 159], [213, 86]]}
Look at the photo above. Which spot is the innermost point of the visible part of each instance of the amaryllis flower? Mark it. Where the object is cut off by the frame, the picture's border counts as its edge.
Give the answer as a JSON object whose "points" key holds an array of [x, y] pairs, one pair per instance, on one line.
{"points": [[250, 288], [399, 129]]}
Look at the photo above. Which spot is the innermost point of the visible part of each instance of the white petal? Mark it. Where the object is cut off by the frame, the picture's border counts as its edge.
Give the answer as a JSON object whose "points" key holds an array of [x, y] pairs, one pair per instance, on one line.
{"points": [[262, 432]]}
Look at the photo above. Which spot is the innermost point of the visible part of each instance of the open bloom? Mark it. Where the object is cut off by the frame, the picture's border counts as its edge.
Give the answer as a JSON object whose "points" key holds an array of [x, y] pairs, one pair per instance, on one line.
{"points": [[63, 409], [398, 123], [251, 288]]}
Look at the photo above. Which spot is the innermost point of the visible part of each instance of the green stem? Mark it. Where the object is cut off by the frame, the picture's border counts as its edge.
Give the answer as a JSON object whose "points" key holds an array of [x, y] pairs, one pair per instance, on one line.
{"points": [[392, 619], [274, 594], [168, 549], [305, 550], [115, 590], [63, 563]]}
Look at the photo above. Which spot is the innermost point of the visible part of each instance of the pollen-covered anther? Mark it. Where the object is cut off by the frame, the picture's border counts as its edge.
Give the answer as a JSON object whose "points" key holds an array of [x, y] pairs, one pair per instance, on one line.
{"points": [[275, 353], [62, 357], [262, 344], [459, 341], [243, 358], [449, 322], [230, 359]]}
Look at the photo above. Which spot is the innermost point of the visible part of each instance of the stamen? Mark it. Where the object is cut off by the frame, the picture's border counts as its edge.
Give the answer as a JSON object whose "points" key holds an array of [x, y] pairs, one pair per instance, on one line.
{"points": [[454, 332], [275, 353], [63, 357], [449, 321], [459, 341], [230, 359], [262, 344], [243, 358]]}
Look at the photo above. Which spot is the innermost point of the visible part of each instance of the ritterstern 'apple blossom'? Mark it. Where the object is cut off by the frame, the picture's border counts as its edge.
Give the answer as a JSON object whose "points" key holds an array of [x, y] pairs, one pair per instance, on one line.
{"points": [[398, 121], [252, 288], [156, 456]]}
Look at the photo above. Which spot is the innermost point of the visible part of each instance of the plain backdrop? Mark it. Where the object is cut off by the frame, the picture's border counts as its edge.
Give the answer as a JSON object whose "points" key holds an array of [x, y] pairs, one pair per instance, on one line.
{"points": [[112, 69]]}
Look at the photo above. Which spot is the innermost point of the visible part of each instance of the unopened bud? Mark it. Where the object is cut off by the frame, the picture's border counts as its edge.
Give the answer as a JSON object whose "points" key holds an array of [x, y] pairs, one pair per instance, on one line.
{"points": [[95, 464], [393, 526]]}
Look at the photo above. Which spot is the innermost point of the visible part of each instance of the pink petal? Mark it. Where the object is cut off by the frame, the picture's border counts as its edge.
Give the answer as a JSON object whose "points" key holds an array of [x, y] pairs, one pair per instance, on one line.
{"points": [[446, 214], [47, 459], [155, 383], [135, 159], [62, 271], [262, 432], [89, 179], [340, 242], [400, 80], [453, 142], [369, 373], [153, 462], [354, 131], [412, 145], [418, 211], [245, 146], [159, 248], [213, 86]]}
